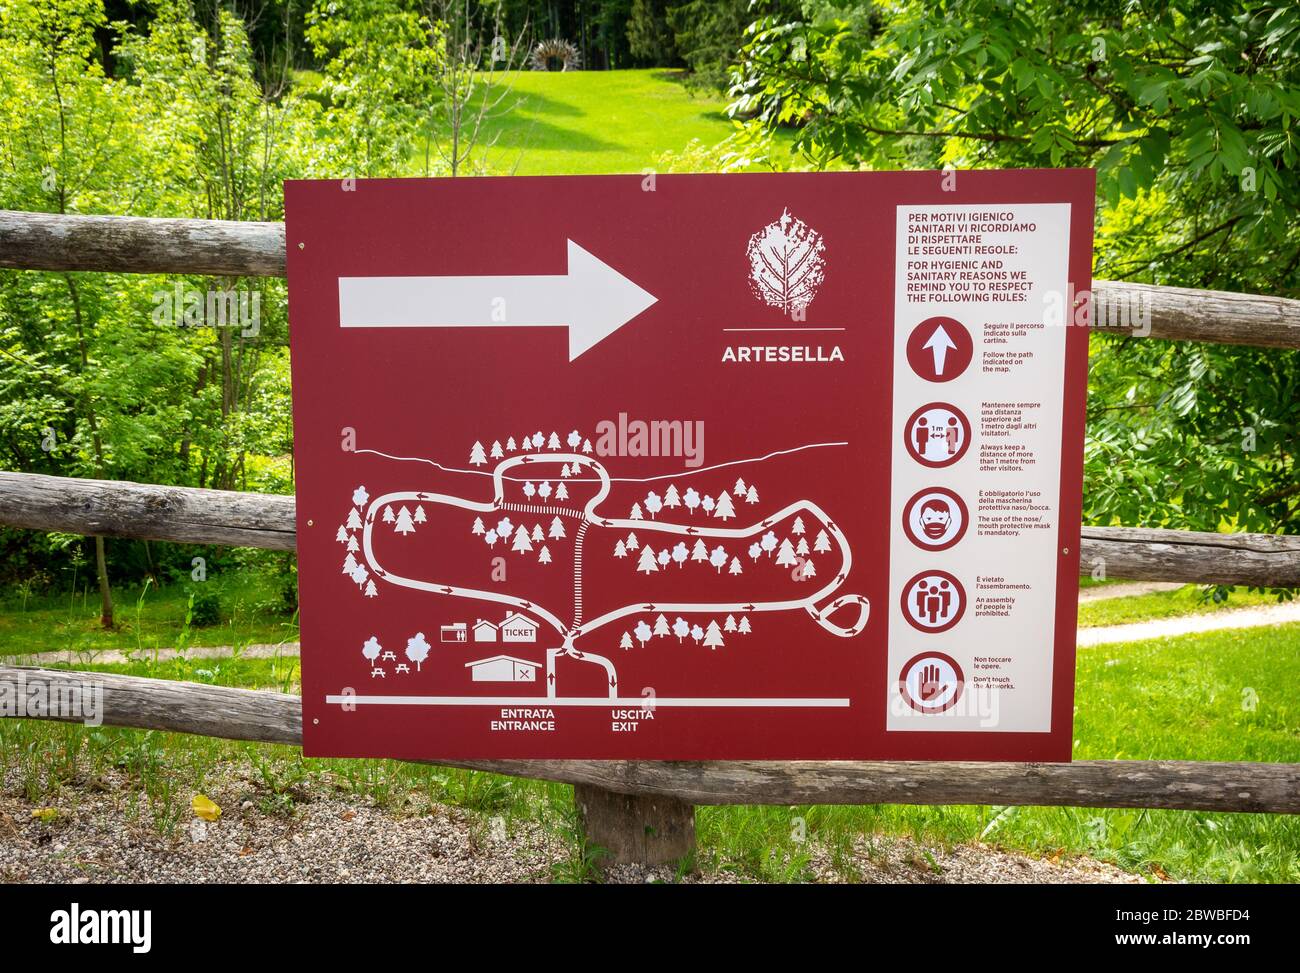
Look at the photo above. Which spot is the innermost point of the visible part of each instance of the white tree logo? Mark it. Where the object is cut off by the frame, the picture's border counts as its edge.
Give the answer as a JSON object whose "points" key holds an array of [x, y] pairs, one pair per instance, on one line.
{"points": [[786, 264]]}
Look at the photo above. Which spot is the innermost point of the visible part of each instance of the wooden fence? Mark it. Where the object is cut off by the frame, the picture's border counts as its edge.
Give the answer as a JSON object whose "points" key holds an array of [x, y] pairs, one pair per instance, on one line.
{"points": [[640, 810]]}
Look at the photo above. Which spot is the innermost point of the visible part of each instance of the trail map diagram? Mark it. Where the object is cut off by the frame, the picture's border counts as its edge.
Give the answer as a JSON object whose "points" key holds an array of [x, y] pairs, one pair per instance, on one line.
{"points": [[688, 467], [586, 529]]}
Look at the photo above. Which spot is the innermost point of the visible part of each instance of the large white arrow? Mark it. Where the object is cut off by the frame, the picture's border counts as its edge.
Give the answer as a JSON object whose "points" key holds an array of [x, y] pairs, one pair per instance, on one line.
{"points": [[940, 344], [593, 299]]}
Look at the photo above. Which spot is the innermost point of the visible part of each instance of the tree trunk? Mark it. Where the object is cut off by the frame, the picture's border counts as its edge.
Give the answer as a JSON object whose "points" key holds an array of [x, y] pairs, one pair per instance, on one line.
{"points": [[105, 593]]}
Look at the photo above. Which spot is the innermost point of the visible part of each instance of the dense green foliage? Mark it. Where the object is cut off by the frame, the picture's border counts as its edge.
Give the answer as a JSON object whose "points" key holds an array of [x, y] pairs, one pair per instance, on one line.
{"points": [[1188, 109], [179, 108]]}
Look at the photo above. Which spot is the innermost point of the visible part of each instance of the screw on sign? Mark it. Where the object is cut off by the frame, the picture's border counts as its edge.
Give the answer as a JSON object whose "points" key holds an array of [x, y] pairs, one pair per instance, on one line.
{"points": [[635, 439]]}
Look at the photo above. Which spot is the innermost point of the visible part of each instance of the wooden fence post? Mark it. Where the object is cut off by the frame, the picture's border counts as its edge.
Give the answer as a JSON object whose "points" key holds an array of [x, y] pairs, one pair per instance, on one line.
{"points": [[635, 829]]}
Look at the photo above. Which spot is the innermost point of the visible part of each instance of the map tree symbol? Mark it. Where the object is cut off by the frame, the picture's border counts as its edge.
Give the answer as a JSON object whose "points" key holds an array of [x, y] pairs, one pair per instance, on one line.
{"points": [[371, 649], [724, 510], [679, 553], [680, 628], [768, 543], [477, 456], [642, 632], [417, 649], [785, 557], [718, 557], [647, 562], [404, 524], [713, 635], [626, 641], [522, 544], [653, 504], [691, 499], [661, 626]]}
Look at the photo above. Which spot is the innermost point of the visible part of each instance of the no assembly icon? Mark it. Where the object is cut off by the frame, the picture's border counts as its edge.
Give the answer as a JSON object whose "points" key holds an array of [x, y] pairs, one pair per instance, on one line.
{"points": [[933, 601]]}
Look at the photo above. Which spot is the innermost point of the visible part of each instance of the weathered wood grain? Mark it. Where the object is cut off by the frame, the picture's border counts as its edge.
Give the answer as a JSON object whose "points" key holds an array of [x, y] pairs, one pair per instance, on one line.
{"points": [[190, 516], [242, 714], [1195, 557], [112, 508], [640, 829], [1185, 314], [46, 241], [132, 244]]}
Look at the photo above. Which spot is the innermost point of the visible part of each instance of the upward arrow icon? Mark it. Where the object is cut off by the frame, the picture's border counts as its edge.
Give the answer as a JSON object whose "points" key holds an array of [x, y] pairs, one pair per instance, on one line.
{"points": [[592, 299], [939, 345]]}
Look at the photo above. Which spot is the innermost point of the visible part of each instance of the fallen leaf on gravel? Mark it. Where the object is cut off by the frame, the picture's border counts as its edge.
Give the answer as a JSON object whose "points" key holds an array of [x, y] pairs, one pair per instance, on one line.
{"points": [[245, 851], [45, 813], [204, 808], [348, 815]]}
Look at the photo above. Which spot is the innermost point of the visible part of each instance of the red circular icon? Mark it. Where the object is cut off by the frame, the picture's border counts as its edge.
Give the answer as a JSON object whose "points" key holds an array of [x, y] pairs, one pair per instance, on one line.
{"points": [[933, 601], [937, 434], [939, 349], [931, 682], [935, 519]]}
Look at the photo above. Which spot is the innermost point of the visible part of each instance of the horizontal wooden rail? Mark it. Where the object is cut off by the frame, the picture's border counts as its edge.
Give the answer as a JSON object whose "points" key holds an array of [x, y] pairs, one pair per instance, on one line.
{"points": [[269, 717], [113, 508], [46, 241]]}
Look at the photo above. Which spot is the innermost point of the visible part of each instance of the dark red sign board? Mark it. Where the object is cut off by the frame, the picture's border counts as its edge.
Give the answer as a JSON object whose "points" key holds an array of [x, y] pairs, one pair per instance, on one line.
{"points": [[690, 467]]}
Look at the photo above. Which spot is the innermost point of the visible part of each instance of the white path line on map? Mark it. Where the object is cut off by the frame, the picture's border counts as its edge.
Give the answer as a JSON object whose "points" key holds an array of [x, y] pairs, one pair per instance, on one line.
{"points": [[807, 603], [542, 457], [637, 702]]}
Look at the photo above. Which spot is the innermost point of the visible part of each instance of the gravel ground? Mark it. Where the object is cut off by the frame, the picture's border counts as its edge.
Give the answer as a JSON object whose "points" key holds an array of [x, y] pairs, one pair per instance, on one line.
{"points": [[102, 832]]}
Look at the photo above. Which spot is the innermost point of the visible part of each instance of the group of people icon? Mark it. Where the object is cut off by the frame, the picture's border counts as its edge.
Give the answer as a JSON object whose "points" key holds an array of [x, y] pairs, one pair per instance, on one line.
{"points": [[933, 601]]}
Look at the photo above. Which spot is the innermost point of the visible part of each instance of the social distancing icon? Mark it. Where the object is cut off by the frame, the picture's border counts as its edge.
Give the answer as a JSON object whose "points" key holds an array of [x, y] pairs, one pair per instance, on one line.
{"points": [[937, 434]]}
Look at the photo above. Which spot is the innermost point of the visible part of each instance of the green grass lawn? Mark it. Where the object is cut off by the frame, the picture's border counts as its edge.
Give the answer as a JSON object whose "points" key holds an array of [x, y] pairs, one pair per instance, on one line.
{"points": [[147, 618], [1212, 696], [252, 612], [1187, 600], [598, 122]]}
